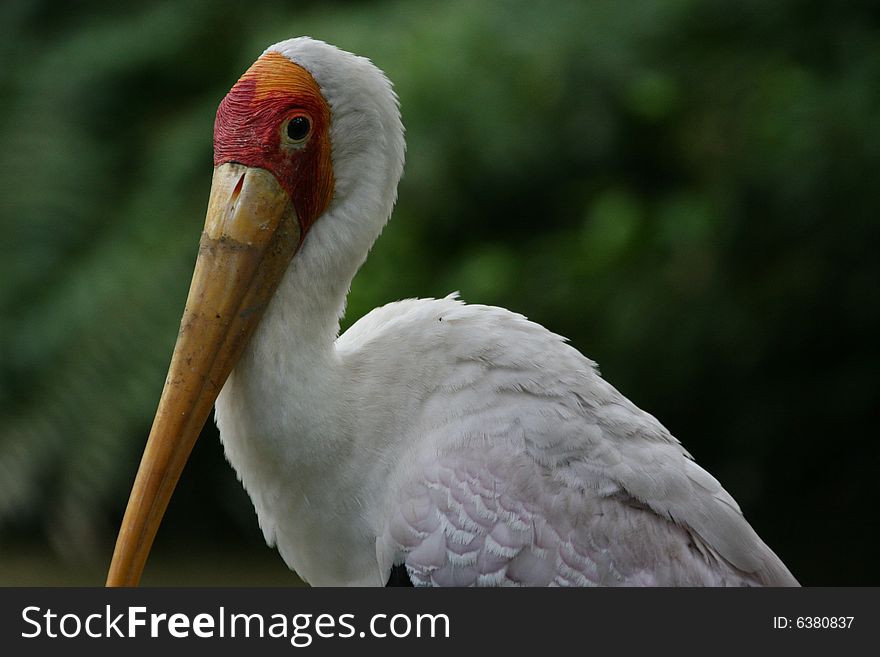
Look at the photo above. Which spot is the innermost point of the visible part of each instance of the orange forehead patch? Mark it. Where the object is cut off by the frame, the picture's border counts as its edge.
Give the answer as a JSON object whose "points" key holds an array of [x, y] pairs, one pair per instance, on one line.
{"points": [[274, 74]]}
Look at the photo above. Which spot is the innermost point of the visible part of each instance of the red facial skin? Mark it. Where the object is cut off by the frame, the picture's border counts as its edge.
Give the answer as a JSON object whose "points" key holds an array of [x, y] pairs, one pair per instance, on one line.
{"points": [[251, 129]]}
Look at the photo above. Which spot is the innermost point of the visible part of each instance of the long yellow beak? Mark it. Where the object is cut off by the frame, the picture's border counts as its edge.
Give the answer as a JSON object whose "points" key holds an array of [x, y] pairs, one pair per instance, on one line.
{"points": [[251, 233]]}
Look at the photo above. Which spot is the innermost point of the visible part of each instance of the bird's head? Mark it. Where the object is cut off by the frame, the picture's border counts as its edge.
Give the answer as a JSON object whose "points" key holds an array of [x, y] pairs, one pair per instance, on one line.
{"points": [[276, 120], [308, 151]]}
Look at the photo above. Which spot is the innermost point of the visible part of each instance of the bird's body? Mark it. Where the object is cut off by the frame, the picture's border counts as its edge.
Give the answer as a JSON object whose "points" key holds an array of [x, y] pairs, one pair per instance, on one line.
{"points": [[468, 444], [485, 451]]}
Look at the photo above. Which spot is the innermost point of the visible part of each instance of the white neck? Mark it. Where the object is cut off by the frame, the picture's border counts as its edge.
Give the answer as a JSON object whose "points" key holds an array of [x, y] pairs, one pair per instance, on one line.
{"points": [[289, 382], [283, 415]]}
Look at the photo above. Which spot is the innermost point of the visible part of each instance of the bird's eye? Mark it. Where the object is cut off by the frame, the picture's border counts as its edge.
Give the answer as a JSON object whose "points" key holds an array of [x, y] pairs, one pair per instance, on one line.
{"points": [[298, 128]]}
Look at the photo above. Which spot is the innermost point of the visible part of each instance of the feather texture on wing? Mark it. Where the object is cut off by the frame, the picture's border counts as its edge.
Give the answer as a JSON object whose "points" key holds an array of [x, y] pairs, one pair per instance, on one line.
{"points": [[524, 466]]}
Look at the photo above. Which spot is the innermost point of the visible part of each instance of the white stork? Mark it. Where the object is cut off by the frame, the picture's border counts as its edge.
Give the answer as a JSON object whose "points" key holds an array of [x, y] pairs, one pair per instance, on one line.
{"points": [[446, 443]]}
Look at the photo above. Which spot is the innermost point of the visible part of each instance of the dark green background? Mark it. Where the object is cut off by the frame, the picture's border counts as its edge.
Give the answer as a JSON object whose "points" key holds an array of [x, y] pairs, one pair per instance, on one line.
{"points": [[686, 189]]}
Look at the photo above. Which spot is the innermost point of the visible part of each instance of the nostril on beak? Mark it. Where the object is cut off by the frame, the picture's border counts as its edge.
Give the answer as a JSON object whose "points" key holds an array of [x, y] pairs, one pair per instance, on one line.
{"points": [[235, 192], [233, 198]]}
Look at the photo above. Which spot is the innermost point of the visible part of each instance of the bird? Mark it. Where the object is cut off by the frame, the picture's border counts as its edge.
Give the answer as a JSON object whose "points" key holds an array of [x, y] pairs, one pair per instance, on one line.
{"points": [[433, 443]]}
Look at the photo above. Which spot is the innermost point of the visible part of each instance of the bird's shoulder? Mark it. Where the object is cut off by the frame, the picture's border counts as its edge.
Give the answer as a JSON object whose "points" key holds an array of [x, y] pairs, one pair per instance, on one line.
{"points": [[446, 333]]}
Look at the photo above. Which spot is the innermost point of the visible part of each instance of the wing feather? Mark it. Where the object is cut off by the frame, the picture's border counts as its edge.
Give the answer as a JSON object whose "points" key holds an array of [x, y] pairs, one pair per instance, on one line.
{"points": [[522, 466]]}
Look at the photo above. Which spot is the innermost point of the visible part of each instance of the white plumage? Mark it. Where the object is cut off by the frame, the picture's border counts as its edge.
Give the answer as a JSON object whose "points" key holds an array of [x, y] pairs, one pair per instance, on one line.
{"points": [[464, 441]]}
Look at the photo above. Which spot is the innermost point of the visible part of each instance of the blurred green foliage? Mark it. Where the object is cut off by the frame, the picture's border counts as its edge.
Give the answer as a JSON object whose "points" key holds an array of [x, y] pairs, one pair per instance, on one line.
{"points": [[686, 189]]}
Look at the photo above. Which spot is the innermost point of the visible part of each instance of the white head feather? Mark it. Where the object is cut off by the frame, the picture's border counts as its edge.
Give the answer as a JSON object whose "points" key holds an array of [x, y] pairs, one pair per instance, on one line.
{"points": [[367, 152]]}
